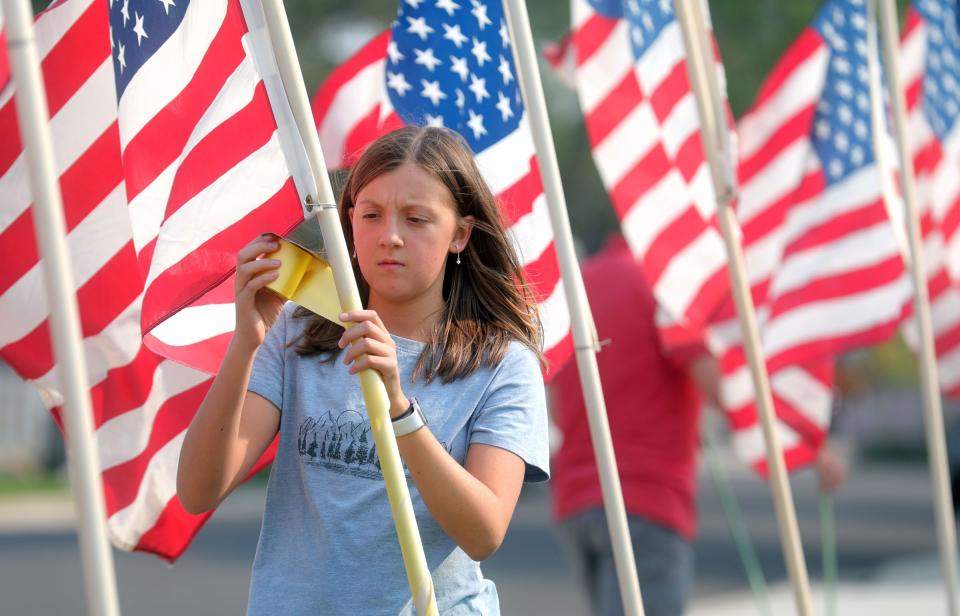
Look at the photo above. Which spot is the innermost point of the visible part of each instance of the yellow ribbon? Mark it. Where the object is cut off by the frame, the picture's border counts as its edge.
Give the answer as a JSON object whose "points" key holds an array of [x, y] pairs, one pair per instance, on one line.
{"points": [[307, 280]]}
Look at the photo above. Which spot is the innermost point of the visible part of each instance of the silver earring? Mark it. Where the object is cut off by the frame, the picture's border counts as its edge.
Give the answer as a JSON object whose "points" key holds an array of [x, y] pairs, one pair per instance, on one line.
{"points": [[354, 255], [458, 257]]}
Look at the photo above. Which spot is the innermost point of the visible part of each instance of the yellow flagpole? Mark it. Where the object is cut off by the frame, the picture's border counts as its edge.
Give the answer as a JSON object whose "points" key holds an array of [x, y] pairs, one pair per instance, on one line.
{"points": [[322, 207]]}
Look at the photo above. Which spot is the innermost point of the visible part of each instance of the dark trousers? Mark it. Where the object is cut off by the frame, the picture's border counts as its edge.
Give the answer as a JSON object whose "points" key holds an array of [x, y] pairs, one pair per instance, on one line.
{"points": [[664, 563]]}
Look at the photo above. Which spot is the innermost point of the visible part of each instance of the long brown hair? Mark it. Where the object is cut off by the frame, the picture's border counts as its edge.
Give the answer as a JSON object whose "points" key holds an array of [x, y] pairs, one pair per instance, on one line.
{"points": [[487, 302]]}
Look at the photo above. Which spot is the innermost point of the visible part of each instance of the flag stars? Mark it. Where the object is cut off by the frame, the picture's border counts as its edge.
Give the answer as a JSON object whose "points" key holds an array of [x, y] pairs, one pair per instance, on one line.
{"points": [[479, 88], [454, 35], [431, 90], [418, 26], [822, 129], [504, 34], [479, 51], [863, 103], [427, 59], [835, 168], [166, 5], [414, 3], [460, 100], [845, 114], [459, 66], [120, 56], [841, 142], [434, 121], [476, 124], [138, 28], [125, 11], [857, 156], [398, 83], [447, 5], [480, 12], [860, 130], [505, 71], [503, 105], [394, 52]]}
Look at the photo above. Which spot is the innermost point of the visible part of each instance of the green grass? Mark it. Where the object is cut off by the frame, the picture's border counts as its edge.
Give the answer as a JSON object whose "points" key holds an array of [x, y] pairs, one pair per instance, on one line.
{"points": [[18, 485]]}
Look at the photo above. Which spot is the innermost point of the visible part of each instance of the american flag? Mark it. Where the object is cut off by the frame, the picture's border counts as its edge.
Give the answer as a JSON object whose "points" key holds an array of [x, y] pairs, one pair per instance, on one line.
{"points": [[643, 128], [159, 189], [446, 63], [930, 66], [823, 260]]}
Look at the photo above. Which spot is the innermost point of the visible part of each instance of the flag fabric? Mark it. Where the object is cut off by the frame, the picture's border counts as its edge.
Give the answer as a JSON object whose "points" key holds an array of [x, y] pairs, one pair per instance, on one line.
{"points": [[930, 53], [451, 64], [4, 62], [159, 192], [824, 263], [643, 127]]}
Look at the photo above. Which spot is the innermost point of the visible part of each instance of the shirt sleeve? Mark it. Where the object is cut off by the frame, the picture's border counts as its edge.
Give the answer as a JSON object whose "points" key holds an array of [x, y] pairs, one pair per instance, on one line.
{"points": [[266, 378], [513, 413]]}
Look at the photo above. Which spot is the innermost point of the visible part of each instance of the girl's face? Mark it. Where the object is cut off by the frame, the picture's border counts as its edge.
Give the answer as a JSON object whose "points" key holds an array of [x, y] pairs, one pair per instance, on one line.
{"points": [[404, 226]]}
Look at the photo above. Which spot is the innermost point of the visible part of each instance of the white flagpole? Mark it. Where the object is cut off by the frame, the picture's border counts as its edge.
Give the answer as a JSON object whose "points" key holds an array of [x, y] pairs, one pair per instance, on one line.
{"points": [[375, 394], [84, 467], [581, 320], [929, 382], [703, 79]]}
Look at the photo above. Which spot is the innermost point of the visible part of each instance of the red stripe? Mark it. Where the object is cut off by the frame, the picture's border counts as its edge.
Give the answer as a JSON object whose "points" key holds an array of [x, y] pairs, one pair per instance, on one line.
{"points": [[773, 215], [805, 46], [644, 175], [175, 528], [615, 107], [372, 52], [790, 130], [125, 387], [204, 268], [161, 141], [123, 480], [84, 186], [810, 432], [838, 227], [948, 341], [669, 245], [205, 355], [707, 302], [951, 220], [669, 91], [543, 274], [517, 201], [361, 135], [591, 35], [690, 157], [68, 65], [222, 149], [100, 300], [847, 284], [794, 458]]}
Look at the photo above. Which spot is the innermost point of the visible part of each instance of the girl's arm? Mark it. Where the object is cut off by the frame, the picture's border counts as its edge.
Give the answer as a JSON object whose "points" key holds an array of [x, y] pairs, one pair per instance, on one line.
{"points": [[232, 428], [472, 503]]}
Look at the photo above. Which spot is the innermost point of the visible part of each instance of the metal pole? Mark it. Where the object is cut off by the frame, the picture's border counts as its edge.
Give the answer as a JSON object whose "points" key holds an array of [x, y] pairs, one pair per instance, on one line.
{"points": [[828, 542], [929, 387], [700, 64], [581, 320], [99, 579], [374, 392]]}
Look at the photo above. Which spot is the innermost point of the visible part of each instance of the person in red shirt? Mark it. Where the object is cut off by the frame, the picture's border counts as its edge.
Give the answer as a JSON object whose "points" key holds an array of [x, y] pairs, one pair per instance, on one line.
{"points": [[653, 397]]}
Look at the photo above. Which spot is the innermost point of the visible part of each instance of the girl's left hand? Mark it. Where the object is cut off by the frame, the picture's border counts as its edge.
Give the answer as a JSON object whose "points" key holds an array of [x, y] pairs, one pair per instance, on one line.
{"points": [[372, 347]]}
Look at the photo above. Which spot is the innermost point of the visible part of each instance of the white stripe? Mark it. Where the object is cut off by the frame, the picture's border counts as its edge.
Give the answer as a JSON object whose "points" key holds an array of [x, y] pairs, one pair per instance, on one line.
{"points": [[195, 324], [148, 208], [736, 388], [164, 76], [532, 234], [701, 192], [948, 367], [157, 487], [801, 89], [627, 144], [913, 51], [126, 436], [507, 161], [944, 311], [580, 12], [751, 447], [224, 202], [836, 317], [682, 122], [605, 69], [777, 178], [660, 59], [346, 110], [555, 317], [53, 24], [80, 122], [91, 244], [805, 393], [851, 252], [688, 270], [656, 209]]}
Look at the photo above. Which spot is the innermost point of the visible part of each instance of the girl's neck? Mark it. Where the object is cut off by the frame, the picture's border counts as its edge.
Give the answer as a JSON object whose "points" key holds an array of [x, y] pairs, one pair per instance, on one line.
{"points": [[413, 320]]}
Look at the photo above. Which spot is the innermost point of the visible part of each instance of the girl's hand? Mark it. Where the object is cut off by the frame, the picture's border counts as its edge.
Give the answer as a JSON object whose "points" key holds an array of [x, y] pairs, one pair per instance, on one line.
{"points": [[370, 346], [257, 308]]}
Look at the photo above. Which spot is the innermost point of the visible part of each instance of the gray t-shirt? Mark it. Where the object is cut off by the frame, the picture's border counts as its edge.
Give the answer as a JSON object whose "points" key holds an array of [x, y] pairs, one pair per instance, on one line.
{"points": [[328, 544]]}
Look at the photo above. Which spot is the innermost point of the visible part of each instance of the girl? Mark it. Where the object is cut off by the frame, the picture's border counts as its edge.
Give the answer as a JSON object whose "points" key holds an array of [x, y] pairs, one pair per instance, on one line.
{"points": [[454, 332]]}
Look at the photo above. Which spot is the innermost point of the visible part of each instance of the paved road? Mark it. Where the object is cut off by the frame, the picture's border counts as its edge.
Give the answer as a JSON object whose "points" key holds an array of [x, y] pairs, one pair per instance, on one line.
{"points": [[884, 521]]}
